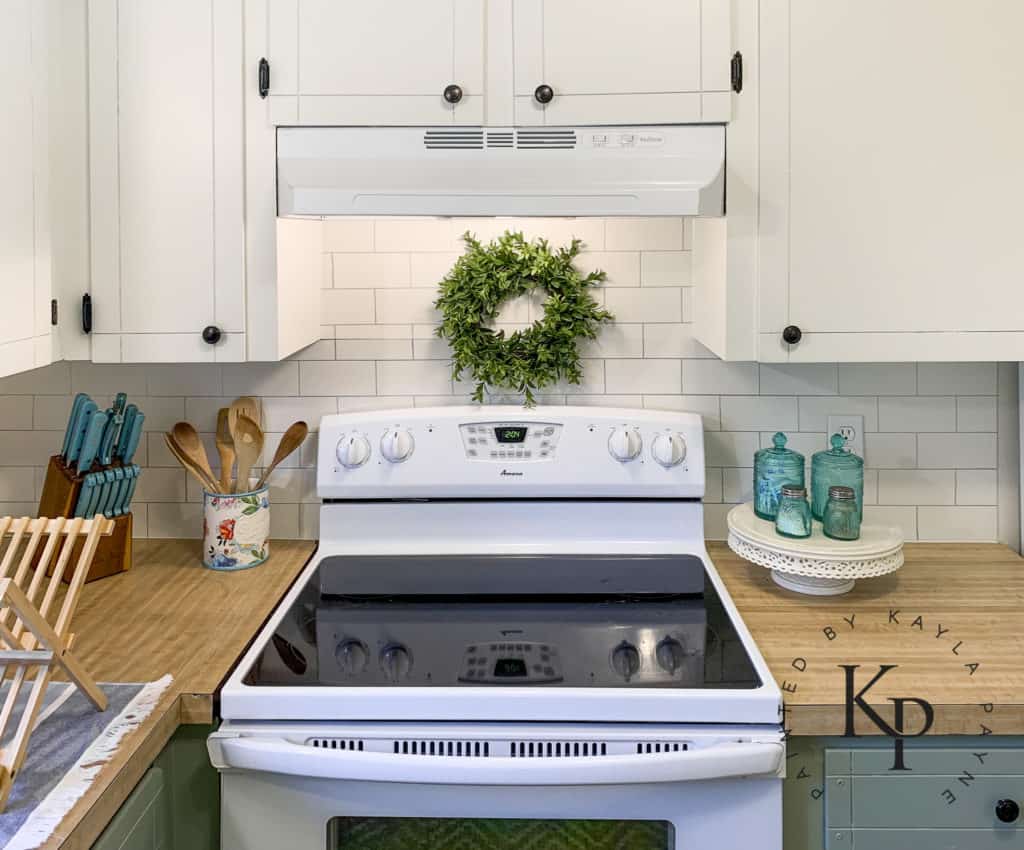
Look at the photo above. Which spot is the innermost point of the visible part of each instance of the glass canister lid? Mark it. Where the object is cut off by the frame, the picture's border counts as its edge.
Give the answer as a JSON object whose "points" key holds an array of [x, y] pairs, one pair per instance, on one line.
{"points": [[778, 450], [837, 457]]}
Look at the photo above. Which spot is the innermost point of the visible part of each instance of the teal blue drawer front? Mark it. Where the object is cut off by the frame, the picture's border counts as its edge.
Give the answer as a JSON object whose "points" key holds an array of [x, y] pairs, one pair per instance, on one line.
{"points": [[947, 801]]}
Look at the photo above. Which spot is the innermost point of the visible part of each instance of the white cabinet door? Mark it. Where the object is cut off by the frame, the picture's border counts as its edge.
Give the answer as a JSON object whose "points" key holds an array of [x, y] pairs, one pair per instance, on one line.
{"points": [[385, 62], [167, 179], [611, 61], [25, 284], [891, 179]]}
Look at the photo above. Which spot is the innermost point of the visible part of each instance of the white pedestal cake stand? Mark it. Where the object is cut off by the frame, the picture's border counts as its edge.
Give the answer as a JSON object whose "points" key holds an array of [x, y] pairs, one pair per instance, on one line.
{"points": [[816, 565]]}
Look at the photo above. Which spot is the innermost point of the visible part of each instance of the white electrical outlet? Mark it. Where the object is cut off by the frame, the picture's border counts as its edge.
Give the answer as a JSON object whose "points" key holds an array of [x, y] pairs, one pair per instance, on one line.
{"points": [[851, 426]]}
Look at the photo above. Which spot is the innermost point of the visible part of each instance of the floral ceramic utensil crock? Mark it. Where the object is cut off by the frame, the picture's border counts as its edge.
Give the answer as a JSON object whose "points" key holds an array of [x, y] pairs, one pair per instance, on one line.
{"points": [[236, 529]]}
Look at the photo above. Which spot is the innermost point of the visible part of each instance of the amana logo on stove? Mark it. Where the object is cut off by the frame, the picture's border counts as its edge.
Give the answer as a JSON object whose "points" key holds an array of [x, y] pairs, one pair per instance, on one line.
{"points": [[506, 474]]}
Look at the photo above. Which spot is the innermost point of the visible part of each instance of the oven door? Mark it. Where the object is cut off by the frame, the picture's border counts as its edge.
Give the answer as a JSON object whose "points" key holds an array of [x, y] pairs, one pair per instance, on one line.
{"points": [[723, 789]]}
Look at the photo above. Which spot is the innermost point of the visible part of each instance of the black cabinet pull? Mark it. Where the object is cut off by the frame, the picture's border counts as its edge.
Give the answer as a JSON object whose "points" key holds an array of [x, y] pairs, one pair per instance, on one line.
{"points": [[736, 72], [792, 334], [87, 313], [543, 93], [453, 93], [264, 78], [212, 334], [1007, 810]]}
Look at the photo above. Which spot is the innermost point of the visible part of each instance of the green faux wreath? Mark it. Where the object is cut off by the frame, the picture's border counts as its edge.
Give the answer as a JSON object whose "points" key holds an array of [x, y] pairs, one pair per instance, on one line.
{"points": [[485, 277]]}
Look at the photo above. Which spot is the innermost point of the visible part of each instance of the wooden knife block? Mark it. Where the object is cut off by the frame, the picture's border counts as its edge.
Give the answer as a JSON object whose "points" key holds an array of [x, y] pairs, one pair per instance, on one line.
{"points": [[59, 497]]}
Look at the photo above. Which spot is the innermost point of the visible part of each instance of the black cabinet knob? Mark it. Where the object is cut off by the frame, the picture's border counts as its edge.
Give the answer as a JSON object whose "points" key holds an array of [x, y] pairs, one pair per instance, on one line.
{"points": [[453, 93], [212, 334], [792, 334], [543, 94], [1007, 810]]}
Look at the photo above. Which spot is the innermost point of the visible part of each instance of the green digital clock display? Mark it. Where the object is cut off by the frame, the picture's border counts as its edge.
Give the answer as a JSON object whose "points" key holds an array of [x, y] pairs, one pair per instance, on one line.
{"points": [[510, 434]]}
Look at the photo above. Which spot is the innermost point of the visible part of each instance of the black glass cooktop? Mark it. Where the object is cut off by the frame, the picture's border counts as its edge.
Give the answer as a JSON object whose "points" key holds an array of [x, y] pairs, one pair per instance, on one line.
{"points": [[611, 621]]}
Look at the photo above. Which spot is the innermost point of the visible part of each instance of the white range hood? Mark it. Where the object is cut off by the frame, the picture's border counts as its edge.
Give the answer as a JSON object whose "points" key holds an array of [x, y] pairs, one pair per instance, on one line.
{"points": [[522, 171]]}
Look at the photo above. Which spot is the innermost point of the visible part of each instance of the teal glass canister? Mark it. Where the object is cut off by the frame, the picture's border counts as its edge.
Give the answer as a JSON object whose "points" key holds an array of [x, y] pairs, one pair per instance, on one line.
{"points": [[836, 467], [774, 467]]}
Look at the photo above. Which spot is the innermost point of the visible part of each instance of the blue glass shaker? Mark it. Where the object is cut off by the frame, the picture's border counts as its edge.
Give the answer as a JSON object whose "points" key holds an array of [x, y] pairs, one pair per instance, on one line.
{"points": [[772, 468], [794, 516]]}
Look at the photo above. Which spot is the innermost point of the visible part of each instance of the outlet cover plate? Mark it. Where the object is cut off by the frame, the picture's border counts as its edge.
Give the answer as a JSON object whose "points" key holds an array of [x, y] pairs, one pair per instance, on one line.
{"points": [[851, 426]]}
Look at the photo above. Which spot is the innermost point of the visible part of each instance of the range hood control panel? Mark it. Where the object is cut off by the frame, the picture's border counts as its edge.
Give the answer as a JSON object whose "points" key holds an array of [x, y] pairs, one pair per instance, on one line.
{"points": [[511, 452]]}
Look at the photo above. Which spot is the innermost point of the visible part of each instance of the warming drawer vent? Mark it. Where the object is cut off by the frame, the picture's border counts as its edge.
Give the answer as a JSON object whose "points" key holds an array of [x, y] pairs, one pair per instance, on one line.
{"points": [[454, 140], [644, 747], [336, 743], [455, 749], [500, 139], [546, 139], [557, 749]]}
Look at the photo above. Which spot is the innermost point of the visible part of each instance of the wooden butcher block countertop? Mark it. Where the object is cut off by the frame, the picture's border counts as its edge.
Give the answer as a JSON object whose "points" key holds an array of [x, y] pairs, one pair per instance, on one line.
{"points": [[950, 607], [168, 614]]}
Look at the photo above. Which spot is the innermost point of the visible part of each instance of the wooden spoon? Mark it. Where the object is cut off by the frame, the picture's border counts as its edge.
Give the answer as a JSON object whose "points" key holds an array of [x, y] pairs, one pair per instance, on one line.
{"points": [[244, 406], [291, 440], [226, 449], [209, 485], [192, 447], [248, 445]]}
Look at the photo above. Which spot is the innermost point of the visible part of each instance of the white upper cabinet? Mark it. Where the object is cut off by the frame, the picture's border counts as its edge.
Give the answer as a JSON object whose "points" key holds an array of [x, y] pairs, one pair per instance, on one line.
{"points": [[609, 61], [26, 340], [888, 181], [167, 186], [358, 62]]}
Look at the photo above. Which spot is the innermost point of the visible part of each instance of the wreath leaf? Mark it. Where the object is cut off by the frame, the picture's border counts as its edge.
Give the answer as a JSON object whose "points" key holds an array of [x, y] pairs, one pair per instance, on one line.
{"points": [[527, 360]]}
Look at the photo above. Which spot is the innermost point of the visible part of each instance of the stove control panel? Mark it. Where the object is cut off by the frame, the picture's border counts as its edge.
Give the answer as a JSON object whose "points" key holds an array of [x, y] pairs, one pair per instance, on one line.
{"points": [[511, 452], [507, 663]]}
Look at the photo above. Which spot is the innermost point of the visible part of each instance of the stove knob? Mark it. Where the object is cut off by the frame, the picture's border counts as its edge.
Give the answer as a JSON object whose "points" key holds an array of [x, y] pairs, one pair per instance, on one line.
{"points": [[625, 444], [353, 451], [625, 660], [670, 655], [395, 662], [1007, 810], [351, 656], [669, 449], [396, 445]]}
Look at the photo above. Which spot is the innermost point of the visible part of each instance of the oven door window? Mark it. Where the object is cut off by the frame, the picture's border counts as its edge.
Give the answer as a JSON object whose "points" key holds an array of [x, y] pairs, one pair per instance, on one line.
{"points": [[388, 833]]}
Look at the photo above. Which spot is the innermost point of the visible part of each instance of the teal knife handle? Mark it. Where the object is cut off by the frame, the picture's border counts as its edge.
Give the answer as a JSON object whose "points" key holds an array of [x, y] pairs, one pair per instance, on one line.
{"points": [[134, 437], [130, 412], [84, 497], [91, 445], [127, 503], [119, 402], [85, 413], [69, 432]]}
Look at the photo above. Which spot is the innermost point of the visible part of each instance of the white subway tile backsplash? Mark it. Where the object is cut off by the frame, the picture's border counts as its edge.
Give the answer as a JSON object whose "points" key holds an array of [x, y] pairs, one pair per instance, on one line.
{"points": [[960, 523], [936, 413], [759, 413], [916, 486], [976, 413], [932, 429], [799, 379], [956, 451], [877, 378], [644, 234], [347, 306], [666, 268], [367, 271], [716, 377], [642, 376], [977, 487], [815, 411], [343, 377], [956, 379], [644, 305], [400, 306]]}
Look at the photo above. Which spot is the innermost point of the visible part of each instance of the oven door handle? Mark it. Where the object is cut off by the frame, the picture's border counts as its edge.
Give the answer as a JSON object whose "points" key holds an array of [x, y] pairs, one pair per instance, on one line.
{"points": [[718, 761]]}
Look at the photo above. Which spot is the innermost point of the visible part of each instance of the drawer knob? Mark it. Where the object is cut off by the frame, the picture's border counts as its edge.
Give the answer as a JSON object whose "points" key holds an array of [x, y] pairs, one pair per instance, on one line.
{"points": [[453, 93], [211, 334], [543, 93], [792, 334], [1007, 810]]}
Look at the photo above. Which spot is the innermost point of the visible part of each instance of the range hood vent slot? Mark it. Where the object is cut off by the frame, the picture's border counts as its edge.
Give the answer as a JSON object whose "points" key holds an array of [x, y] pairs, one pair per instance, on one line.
{"points": [[500, 138], [453, 140], [545, 139]]}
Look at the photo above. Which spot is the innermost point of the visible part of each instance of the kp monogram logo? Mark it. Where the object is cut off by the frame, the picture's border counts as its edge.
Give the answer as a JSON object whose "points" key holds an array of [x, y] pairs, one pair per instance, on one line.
{"points": [[896, 730]]}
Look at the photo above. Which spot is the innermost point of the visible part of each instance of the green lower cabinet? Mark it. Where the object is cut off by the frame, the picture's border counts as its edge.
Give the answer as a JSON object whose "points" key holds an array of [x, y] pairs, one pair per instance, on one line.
{"points": [[175, 806], [843, 794]]}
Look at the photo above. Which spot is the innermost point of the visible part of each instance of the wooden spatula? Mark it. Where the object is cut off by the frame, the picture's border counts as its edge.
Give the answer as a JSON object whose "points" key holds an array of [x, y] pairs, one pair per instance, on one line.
{"points": [[244, 406], [291, 440], [192, 447], [226, 449], [208, 484], [248, 446]]}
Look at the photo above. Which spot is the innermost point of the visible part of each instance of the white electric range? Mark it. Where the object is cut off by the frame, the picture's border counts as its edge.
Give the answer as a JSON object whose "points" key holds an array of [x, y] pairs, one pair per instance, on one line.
{"points": [[511, 635]]}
